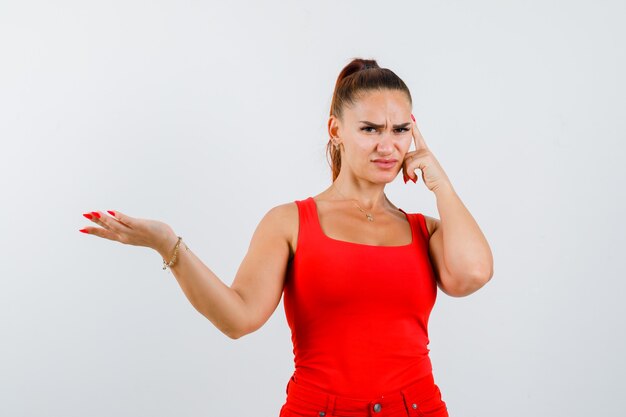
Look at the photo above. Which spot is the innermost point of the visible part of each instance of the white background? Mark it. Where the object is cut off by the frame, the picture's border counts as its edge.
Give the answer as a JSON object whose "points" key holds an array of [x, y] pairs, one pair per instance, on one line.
{"points": [[205, 115]]}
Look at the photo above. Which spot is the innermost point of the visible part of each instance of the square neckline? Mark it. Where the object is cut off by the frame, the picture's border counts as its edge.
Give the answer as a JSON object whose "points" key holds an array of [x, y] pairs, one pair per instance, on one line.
{"points": [[321, 231]]}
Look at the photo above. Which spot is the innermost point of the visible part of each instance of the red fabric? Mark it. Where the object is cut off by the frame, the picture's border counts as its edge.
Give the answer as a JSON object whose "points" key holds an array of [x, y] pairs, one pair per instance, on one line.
{"points": [[358, 313], [420, 399]]}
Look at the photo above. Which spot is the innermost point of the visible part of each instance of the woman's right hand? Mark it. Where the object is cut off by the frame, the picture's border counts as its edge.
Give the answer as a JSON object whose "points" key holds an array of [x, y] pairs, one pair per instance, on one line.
{"points": [[132, 230]]}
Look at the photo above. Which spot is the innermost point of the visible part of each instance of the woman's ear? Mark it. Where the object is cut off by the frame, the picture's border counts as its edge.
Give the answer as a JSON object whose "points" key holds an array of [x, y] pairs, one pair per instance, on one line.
{"points": [[333, 128]]}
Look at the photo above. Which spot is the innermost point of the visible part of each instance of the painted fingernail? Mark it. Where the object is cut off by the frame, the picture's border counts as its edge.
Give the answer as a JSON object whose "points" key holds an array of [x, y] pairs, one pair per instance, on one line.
{"points": [[414, 180], [89, 216], [111, 212], [83, 230], [95, 213], [412, 117]]}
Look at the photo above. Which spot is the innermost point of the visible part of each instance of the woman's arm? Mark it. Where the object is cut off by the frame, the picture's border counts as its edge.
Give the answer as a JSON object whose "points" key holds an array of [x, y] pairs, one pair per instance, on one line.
{"points": [[257, 288], [459, 250], [460, 253]]}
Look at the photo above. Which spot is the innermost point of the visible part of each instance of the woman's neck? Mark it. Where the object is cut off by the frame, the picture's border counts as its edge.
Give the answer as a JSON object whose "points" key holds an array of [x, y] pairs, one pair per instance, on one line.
{"points": [[368, 195]]}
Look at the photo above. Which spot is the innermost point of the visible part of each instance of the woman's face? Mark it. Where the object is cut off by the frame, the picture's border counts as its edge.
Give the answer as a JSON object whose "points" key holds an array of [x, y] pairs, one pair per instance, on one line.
{"points": [[376, 129]]}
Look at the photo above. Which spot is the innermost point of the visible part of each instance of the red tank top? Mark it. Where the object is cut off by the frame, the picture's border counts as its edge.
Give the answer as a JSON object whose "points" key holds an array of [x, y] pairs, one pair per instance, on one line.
{"points": [[358, 313]]}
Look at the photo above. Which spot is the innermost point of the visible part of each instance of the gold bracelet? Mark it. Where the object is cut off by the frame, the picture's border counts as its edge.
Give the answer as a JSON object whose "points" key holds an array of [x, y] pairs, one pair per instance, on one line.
{"points": [[170, 263]]}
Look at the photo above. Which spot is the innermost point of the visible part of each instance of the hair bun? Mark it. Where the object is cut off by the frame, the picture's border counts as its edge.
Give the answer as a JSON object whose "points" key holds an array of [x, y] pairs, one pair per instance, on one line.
{"points": [[369, 64]]}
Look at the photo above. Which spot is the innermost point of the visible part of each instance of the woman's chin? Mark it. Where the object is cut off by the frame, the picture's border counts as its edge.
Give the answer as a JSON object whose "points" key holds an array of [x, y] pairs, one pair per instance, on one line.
{"points": [[386, 179]]}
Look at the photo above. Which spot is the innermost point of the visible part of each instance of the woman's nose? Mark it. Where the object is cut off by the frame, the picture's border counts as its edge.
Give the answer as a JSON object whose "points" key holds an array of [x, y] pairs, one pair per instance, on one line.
{"points": [[385, 144]]}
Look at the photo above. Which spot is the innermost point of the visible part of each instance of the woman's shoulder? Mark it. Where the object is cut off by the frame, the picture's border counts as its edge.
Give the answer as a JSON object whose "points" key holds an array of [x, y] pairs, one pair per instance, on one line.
{"points": [[283, 211], [432, 223], [283, 218]]}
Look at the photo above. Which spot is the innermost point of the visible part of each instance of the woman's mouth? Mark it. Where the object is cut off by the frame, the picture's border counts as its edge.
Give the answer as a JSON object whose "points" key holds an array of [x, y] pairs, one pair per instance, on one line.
{"points": [[385, 163]]}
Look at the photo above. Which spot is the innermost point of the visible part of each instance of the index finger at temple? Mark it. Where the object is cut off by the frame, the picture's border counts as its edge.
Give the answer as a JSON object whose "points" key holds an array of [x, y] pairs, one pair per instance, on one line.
{"points": [[418, 139]]}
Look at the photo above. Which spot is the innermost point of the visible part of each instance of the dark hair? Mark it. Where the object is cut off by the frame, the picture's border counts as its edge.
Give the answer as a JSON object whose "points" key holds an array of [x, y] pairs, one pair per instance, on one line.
{"points": [[356, 78]]}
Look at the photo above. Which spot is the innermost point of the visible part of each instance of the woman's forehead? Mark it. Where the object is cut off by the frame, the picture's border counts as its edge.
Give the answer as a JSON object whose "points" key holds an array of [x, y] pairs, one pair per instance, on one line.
{"points": [[379, 108]]}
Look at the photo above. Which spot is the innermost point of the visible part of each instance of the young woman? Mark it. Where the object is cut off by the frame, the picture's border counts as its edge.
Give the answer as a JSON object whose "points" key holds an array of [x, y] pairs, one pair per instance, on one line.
{"points": [[359, 275]]}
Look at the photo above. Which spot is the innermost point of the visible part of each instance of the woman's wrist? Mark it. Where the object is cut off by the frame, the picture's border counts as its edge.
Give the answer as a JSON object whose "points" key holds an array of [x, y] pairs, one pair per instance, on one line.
{"points": [[165, 247]]}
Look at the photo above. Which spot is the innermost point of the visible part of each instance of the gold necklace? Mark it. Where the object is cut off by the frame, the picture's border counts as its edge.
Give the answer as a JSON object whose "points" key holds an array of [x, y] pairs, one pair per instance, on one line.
{"points": [[369, 216]]}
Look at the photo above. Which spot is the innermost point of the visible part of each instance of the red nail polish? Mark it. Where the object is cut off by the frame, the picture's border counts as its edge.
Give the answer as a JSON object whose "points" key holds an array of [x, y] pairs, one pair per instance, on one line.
{"points": [[95, 213], [412, 117], [112, 213], [83, 230], [89, 216], [414, 180]]}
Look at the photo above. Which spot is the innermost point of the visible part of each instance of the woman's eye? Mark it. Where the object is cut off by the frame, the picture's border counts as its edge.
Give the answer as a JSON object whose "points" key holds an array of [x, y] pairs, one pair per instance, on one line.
{"points": [[402, 129]]}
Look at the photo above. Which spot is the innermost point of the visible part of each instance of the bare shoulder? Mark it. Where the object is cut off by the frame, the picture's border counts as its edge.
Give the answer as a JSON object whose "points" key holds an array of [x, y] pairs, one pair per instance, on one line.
{"points": [[283, 218], [432, 223]]}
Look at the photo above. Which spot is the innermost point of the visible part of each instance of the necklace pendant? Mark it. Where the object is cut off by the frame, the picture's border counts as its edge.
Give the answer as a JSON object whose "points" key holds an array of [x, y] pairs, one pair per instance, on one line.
{"points": [[369, 217]]}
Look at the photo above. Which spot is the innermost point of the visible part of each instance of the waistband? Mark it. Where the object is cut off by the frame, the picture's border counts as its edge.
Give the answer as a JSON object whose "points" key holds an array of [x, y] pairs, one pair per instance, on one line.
{"points": [[413, 400]]}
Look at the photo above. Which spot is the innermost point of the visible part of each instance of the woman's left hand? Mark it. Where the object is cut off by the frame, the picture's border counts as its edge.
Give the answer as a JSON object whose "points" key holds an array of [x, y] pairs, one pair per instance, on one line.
{"points": [[423, 159]]}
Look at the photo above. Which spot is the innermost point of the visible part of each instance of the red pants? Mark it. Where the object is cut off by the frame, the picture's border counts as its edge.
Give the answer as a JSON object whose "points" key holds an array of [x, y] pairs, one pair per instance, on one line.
{"points": [[420, 399]]}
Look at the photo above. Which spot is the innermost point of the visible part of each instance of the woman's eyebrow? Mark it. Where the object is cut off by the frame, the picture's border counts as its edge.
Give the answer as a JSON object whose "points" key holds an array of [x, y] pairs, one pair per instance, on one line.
{"points": [[379, 126]]}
